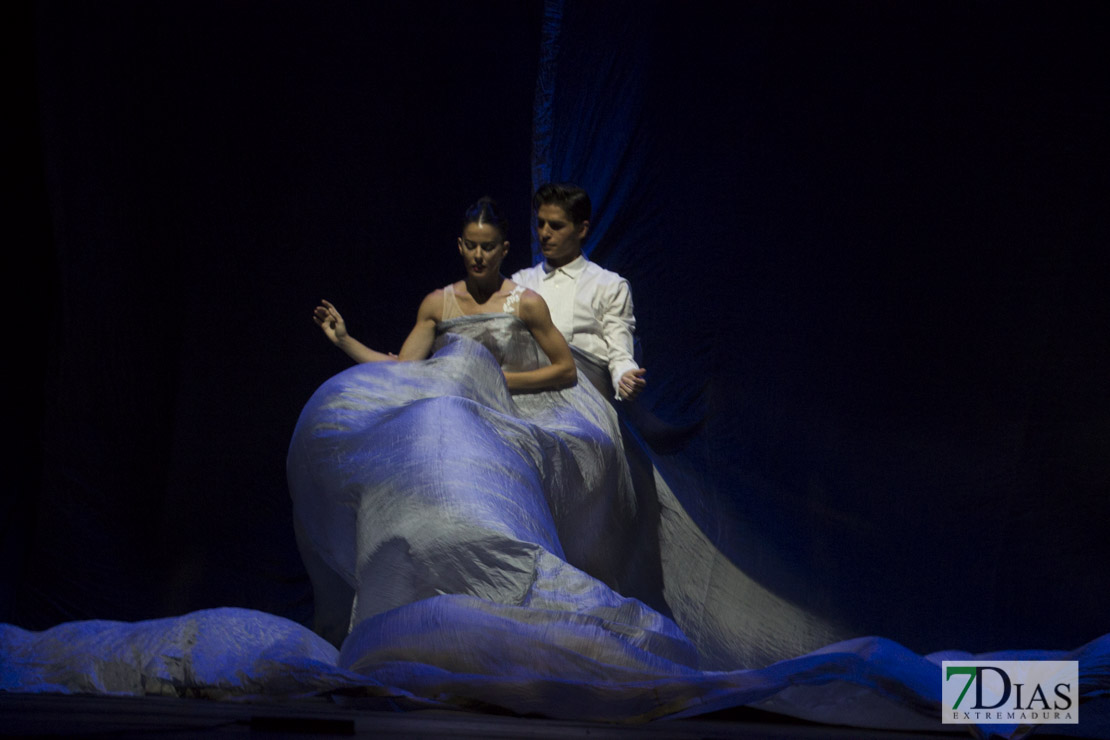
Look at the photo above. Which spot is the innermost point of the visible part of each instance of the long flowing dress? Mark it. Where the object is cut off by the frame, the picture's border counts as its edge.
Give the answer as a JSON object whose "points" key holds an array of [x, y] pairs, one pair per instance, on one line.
{"points": [[414, 481], [473, 548]]}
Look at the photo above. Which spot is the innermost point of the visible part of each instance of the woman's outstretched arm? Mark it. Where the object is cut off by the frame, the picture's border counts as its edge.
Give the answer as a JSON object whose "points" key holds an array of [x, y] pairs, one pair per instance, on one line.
{"points": [[561, 372], [417, 346]]}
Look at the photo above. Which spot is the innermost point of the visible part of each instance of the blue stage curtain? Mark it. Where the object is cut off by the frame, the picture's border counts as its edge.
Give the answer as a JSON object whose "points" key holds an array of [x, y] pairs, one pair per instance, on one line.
{"points": [[865, 245]]}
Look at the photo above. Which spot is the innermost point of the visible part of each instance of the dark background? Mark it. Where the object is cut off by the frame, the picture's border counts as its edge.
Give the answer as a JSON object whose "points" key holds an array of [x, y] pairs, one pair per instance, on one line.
{"points": [[866, 240]]}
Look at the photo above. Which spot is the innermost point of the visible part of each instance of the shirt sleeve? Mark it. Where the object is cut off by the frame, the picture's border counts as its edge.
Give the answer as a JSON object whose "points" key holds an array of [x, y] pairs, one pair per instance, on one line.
{"points": [[618, 327]]}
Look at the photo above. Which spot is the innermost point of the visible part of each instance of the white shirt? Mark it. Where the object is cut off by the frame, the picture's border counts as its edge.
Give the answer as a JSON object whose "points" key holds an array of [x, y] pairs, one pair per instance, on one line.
{"points": [[591, 307]]}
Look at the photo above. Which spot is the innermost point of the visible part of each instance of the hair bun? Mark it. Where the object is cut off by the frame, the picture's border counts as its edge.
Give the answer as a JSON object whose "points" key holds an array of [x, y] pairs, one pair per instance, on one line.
{"points": [[486, 211]]}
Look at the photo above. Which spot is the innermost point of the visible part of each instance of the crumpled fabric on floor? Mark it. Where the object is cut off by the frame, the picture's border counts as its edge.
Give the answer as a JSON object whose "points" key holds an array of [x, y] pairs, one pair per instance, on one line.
{"points": [[233, 653]]}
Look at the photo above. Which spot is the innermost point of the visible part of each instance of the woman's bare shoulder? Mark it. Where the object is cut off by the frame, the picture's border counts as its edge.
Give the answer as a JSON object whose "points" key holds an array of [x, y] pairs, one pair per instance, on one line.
{"points": [[432, 305], [437, 294], [533, 302]]}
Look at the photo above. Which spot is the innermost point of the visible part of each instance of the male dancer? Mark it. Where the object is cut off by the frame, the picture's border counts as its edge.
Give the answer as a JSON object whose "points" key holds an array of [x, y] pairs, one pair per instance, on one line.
{"points": [[590, 305]]}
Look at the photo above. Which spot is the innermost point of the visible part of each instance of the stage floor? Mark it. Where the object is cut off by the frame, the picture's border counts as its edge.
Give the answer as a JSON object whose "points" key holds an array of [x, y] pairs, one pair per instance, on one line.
{"points": [[37, 715]]}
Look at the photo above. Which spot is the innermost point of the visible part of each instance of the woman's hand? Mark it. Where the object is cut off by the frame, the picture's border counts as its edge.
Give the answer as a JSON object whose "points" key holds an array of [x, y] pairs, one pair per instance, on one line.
{"points": [[329, 319], [335, 329]]}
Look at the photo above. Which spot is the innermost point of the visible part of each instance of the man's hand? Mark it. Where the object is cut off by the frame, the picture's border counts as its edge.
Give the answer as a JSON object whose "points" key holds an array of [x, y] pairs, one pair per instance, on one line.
{"points": [[632, 382]]}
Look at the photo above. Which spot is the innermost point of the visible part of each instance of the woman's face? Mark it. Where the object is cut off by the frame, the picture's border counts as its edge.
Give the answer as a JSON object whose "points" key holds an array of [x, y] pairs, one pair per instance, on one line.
{"points": [[482, 248], [560, 238]]}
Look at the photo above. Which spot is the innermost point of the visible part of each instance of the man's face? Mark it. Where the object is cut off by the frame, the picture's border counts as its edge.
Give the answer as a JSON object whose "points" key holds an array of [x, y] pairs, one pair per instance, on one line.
{"points": [[560, 238]]}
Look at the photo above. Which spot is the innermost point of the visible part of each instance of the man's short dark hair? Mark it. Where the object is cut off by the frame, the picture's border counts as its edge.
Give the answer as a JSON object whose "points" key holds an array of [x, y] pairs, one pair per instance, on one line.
{"points": [[568, 196]]}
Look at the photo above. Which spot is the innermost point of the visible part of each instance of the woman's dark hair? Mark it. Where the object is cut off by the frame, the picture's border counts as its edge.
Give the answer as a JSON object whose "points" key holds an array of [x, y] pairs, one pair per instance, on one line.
{"points": [[486, 211], [568, 196]]}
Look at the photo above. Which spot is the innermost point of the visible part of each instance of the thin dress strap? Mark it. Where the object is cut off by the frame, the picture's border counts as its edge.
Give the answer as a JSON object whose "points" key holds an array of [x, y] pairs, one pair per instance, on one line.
{"points": [[450, 303]]}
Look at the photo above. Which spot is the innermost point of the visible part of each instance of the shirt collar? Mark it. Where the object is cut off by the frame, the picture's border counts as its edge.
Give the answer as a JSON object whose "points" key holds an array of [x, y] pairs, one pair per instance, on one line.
{"points": [[573, 268]]}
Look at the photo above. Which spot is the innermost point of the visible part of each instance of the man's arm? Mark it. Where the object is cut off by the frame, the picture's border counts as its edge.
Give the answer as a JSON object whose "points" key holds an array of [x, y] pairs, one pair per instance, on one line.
{"points": [[618, 327]]}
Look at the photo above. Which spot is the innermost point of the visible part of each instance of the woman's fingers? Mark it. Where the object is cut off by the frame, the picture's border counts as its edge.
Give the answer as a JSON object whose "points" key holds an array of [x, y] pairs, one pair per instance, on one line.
{"points": [[326, 316]]}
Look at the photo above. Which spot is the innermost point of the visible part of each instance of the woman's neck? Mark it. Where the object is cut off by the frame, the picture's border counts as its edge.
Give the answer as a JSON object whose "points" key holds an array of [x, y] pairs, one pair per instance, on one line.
{"points": [[482, 290]]}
